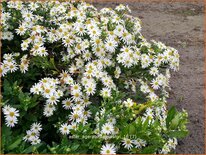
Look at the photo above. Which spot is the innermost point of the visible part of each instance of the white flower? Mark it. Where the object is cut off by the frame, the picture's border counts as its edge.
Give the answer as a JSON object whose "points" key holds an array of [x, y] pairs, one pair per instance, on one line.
{"points": [[108, 149], [107, 128], [80, 29], [53, 99], [127, 143], [67, 103], [7, 35], [112, 121], [27, 15], [90, 89], [36, 88], [76, 96], [11, 121], [149, 113], [36, 127], [155, 84], [12, 66], [49, 109], [93, 30], [108, 82], [35, 141], [111, 45], [24, 64], [119, 30], [165, 149], [10, 115], [21, 29], [117, 72], [32, 135], [106, 92], [10, 111], [172, 143], [154, 71], [129, 103], [64, 129], [9, 64], [33, 6], [75, 115], [152, 96], [145, 60], [76, 87], [139, 143], [73, 126]]}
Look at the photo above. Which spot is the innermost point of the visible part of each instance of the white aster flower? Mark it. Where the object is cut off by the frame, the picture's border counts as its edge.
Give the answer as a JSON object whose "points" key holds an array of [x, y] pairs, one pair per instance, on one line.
{"points": [[127, 143], [64, 129], [107, 128], [108, 149]]}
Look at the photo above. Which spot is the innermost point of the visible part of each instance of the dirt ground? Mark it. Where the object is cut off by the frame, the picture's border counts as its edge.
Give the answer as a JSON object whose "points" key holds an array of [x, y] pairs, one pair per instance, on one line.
{"points": [[180, 25]]}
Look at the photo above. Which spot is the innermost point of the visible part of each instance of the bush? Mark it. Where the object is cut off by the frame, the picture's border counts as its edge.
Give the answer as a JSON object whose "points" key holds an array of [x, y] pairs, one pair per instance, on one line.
{"points": [[79, 80]]}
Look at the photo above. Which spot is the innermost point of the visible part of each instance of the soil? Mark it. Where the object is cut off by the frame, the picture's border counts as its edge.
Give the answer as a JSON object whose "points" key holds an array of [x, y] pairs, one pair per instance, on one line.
{"points": [[180, 25]]}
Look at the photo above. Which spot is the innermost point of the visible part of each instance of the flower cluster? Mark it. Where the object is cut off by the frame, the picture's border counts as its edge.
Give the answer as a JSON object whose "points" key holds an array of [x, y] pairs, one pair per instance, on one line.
{"points": [[109, 36], [6, 35], [88, 61], [129, 103], [9, 64], [171, 144], [10, 115], [33, 134], [137, 143], [48, 88], [24, 65]]}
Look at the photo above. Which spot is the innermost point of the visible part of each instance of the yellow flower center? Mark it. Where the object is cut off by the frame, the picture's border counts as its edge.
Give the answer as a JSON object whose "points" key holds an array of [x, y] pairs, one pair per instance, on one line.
{"points": [[11, 114]]}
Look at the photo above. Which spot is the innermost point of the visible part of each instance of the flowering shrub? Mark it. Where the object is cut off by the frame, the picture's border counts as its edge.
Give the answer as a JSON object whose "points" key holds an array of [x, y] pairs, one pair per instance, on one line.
{"points": [[79, 80]]}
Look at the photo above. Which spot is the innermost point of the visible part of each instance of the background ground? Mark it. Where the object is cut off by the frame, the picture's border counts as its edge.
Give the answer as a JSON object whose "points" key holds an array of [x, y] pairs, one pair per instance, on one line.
{"points": [[180, 25]]}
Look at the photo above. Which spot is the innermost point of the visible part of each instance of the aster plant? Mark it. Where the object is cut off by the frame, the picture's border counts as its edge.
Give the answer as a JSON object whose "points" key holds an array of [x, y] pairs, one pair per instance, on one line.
{"points": [[79, 80]]}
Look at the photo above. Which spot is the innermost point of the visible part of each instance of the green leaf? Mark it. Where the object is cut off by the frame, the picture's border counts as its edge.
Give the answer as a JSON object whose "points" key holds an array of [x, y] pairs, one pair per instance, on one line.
{"points": [[34, 101], [178, 134], [145, 124], [7, 87], [24, 100], [149, 150], [131, 129], [170, 115], [6, 131], [31, 148], [175, 121], [15, 144], [75, 147], [64, 141], [31, 117]]}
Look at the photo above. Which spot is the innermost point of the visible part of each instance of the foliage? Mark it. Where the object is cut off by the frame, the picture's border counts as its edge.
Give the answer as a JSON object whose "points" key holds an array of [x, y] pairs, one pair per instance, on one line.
{"points": [[79, 80]]}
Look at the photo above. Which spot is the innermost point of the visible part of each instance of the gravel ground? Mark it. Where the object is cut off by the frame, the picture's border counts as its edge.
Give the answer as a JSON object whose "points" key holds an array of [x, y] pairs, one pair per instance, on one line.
{"points": [[180, 25]]}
